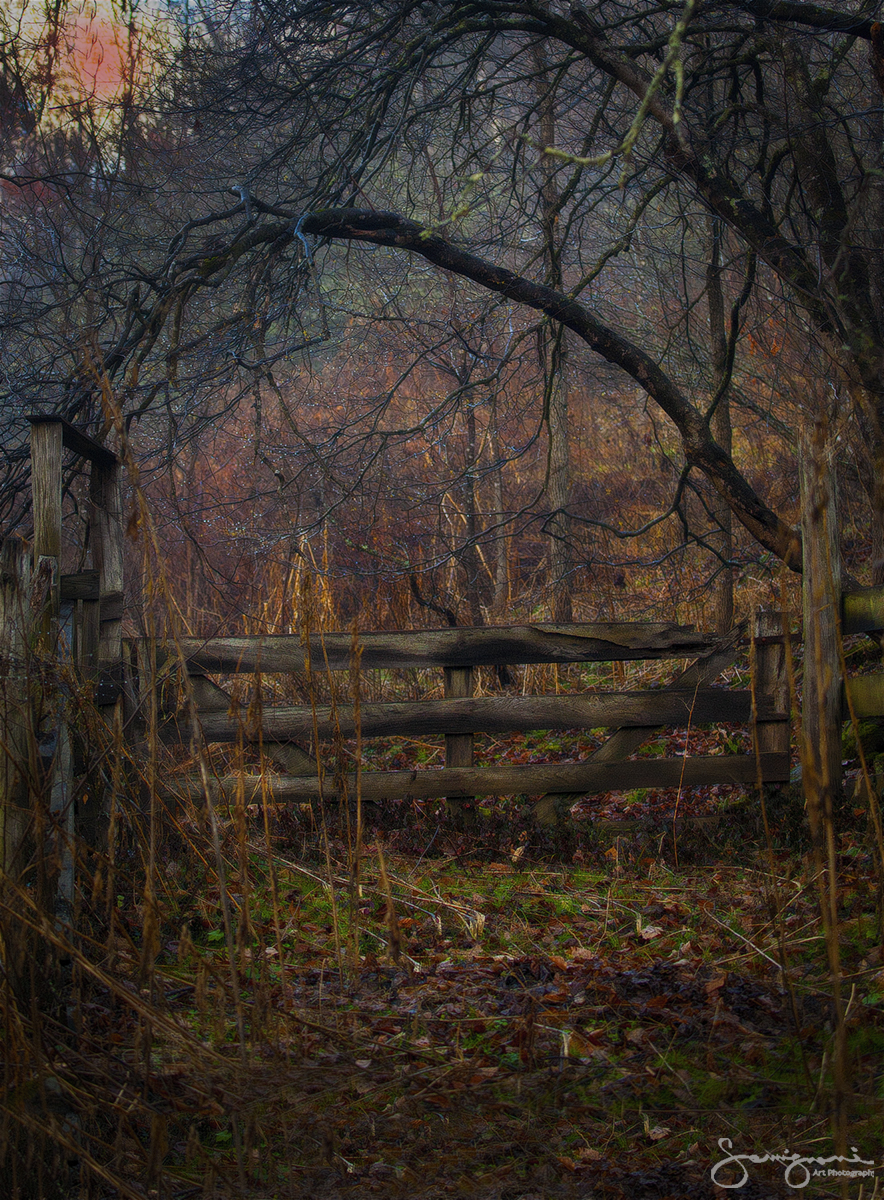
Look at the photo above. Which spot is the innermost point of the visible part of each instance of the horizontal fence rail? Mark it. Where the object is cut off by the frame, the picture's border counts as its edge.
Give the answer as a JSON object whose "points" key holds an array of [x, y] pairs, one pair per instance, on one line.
{"points": [[486, 646], [493, 714], [555, 778], [630, 717]]}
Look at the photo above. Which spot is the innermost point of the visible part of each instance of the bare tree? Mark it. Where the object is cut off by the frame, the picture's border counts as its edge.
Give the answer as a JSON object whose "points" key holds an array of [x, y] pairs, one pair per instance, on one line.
{"points": [[412, 128]]}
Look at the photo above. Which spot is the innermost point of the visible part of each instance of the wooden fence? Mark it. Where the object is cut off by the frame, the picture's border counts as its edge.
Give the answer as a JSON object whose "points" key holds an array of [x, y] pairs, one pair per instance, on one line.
{"points": [[632, 717], [60, 643], [74, 621]]}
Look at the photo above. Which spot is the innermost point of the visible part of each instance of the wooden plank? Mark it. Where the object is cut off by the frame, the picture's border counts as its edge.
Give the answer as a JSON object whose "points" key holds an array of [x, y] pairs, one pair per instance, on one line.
{"points": [[862, 611], [82, 585], [76, 440], [572, 778], [491, 714], [462, 647]]}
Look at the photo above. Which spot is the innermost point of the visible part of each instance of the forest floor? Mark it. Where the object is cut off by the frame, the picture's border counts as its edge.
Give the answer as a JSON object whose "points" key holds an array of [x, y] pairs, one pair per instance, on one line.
{"points": [[492, 1012]]}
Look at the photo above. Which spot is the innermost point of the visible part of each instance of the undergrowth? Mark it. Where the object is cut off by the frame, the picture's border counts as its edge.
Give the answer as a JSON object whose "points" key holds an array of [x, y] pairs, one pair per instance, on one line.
{"points": [[439, 1021]]}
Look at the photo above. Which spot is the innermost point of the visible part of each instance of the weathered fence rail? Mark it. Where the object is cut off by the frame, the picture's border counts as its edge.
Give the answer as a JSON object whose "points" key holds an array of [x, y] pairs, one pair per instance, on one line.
{"points": [[453, 648]]}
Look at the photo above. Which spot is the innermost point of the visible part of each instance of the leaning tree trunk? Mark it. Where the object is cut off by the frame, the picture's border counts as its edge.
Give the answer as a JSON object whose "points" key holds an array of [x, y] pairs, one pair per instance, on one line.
{"points": [[554, 355], [723, 539], [558, 484]]}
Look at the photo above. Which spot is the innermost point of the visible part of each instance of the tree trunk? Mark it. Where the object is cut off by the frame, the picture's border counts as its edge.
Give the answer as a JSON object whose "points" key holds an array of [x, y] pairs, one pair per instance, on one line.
{"points": [[558, 483], [469, 557], [554, 356]]}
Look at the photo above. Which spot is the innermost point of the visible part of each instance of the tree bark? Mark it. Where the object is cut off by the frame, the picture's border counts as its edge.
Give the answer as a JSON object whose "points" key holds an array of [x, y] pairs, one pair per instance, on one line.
{"points": [[723, 541]]}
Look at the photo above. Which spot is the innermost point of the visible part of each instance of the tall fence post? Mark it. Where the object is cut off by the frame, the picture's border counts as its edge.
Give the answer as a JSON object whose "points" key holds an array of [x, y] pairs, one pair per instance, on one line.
{"points": [[821, 700], [14, 705], [47, 444]]}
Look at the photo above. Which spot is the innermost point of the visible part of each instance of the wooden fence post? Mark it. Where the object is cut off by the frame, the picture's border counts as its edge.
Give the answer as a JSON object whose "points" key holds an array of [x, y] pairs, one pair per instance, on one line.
{"points": [[821, 700], [458, 746], [47, 443], [14, 705], [771, 680]]}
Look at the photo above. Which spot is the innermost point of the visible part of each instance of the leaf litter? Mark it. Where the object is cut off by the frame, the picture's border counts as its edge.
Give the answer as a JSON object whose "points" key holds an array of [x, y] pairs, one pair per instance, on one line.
{"points": [[535, 1027]]}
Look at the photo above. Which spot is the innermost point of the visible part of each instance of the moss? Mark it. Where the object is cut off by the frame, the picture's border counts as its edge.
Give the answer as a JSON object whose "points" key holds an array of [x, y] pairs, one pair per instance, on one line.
{"points": [[868, 734]]}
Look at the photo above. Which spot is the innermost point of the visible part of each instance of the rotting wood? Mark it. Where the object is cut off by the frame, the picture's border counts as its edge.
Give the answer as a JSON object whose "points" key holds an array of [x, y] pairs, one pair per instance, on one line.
{"points": [[582, 778], [491, 714], [635, 715], [464, 647]]}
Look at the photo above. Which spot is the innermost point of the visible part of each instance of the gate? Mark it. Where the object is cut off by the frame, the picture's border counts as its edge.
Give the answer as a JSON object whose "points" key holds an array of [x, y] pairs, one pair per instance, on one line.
{"points": [[691, 700], [74, 620]]}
